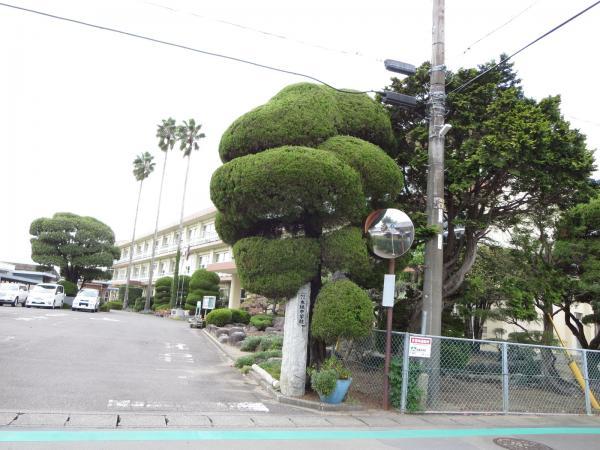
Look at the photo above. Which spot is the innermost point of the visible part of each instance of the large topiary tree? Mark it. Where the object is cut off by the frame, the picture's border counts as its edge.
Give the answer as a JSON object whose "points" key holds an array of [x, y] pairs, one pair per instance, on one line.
{"points": [[162, 287], [301, 172], [201, 283]]}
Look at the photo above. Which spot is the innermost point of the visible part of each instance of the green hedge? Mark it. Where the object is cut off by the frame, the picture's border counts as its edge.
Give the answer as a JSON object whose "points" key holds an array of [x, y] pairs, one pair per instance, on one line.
{"points": [[240, 316], [111, 305], [134, 292], [342, 310], [219, 317], [276, 268], [69, 287], [261, 321]]}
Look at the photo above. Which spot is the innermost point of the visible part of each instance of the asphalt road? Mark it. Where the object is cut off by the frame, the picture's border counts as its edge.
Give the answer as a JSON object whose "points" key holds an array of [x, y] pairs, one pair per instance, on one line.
{"points": [[61, 360]]}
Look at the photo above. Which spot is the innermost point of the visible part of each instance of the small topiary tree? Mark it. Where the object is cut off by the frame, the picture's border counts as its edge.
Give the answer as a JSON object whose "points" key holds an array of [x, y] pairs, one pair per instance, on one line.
{"points": [[219, 317], [202, 283], [343, 310], [162, 289]]}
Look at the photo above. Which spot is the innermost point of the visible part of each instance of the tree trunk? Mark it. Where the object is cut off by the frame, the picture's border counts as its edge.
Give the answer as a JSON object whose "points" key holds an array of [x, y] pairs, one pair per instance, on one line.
{"points": [[179, 237], [137, 208], [151, 269]]}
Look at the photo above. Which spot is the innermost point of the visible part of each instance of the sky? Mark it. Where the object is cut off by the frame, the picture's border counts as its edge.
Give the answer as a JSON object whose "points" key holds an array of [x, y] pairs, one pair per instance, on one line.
{"points": [[78, 104]]}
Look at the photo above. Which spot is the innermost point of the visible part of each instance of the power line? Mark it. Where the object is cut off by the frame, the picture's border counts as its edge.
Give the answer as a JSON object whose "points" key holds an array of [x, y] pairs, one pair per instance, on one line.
{"points": [[466, 83], [181, 46], [268, 34], [470, 46]]}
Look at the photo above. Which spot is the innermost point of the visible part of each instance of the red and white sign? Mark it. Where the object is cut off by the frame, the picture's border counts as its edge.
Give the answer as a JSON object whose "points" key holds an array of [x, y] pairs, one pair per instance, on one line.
{"points": [[420, 347]]}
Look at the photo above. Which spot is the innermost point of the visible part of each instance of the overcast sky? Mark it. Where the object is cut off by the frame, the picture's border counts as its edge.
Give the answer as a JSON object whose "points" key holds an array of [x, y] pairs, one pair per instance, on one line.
{"points": [[78, 104]]}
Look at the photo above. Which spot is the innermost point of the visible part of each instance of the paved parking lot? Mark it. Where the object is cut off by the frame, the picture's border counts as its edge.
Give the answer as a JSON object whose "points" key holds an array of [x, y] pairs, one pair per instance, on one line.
{"points": [[61, 360]]}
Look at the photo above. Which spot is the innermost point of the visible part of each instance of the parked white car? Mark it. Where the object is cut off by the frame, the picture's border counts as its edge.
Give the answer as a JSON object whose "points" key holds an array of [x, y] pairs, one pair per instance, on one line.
{"points": [[13, 293], [50, 295], [87, 299]]}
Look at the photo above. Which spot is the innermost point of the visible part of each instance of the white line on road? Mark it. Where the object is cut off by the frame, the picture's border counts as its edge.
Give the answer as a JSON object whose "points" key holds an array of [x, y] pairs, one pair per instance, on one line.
{"points": [[55, 315], [217, 406], [105, 318], [7, 338], [31, 318], [248, 406]]}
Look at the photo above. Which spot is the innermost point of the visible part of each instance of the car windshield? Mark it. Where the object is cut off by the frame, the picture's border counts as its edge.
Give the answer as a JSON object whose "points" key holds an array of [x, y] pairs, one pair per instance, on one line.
{"points": [[88, 293], [44, 288], [9, 287]]}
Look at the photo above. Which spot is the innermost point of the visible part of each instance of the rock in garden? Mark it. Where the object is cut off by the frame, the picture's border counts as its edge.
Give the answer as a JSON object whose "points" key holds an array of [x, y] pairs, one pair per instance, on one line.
{"points": [[235, 330], [278, 323], [223, 339], [222, 331], [236, 336]]}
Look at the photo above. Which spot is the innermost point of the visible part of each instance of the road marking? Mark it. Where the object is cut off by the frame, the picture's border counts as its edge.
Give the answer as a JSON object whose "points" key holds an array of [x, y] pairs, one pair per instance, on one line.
{"points": [[181, 346], [31, 318], [104, 318], [55, 315], [248, 406], [8, 338], [281, 435], [138, 405]]}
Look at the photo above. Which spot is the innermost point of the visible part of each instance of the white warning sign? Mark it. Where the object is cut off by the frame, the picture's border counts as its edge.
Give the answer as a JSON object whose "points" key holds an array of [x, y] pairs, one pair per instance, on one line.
{"points": [[419, 346]]}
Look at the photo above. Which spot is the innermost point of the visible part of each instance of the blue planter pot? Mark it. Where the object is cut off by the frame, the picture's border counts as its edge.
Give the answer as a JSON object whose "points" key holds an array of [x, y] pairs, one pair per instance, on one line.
{"points": [[337, 396]]}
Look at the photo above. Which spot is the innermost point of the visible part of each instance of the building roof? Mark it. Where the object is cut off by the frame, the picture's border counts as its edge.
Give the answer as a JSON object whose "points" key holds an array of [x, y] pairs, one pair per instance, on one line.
{"points": [[17, 279]]}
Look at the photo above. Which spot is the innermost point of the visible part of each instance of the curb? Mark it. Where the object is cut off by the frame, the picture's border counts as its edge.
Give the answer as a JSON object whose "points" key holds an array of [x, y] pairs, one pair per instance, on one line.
{"points": [[318, 406]]}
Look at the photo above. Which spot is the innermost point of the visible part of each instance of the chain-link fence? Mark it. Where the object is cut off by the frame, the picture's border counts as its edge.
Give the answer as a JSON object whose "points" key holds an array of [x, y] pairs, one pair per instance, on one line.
{"points": [[440, 374]]}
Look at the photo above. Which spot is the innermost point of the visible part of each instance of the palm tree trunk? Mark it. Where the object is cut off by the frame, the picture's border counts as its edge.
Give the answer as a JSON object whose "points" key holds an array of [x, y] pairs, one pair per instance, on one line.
{"points": [[175, 285], [137, 208], [151, 269]]}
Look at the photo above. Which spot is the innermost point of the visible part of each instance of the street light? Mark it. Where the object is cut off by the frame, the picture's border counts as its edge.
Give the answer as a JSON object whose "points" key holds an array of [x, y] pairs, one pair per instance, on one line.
{"points": [[399, 67], [401, 100]]}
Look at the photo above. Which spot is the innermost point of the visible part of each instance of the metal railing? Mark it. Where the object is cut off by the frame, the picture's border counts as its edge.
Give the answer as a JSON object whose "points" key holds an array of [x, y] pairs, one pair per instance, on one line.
{"points": [[467, 375]]}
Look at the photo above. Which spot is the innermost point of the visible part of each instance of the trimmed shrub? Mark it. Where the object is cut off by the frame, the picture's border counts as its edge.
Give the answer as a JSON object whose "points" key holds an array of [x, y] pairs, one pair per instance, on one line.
{"points": [[273, 368], [138, 304], [69, 287], [256, 189], [261, 321], [111, 305], [276, 268], [270, 343], [306, 114], [242, 361], [240, 316], [251, 343], [381, 179], [342, 310], [219, 317], [345, 250], [256, 358], [202, 283], [162, 289], [324, 381]]}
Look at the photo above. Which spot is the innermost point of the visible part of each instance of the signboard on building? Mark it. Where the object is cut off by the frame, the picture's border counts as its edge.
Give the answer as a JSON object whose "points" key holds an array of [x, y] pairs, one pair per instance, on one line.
{"points": [[208, 302], [420, 347], [303, 307]]}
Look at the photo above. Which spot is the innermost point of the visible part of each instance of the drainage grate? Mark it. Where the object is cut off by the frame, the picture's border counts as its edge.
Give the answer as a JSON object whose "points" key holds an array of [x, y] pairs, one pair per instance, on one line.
{"points": [[520, 444]]}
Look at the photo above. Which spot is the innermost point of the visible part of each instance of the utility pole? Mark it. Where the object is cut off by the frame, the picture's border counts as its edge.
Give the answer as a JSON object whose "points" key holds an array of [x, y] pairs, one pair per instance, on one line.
{"points": [[434, 254]]}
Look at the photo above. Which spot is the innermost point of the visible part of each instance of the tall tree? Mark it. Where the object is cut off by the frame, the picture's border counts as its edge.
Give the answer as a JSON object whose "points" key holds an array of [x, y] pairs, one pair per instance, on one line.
{"points": [[143, 166], [167, 136], [300, 174], [504, 154], [83, 247], [188, 135]]}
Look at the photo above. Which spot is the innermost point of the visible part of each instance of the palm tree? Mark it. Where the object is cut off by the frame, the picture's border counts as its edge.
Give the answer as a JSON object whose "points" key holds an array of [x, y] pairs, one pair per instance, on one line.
{"points": [[142, 168], [167, 136], [188, 135]]}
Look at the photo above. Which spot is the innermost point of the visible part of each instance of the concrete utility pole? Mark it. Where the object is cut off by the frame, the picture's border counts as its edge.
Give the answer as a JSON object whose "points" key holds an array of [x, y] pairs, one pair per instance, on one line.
{"points": [[434, 254]]}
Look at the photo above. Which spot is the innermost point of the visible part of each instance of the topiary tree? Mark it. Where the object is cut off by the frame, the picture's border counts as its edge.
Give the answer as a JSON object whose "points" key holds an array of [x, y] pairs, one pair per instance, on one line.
{"points": [[219, 317], [202, 282], [162, 289], [300, 175], [343, 310]]}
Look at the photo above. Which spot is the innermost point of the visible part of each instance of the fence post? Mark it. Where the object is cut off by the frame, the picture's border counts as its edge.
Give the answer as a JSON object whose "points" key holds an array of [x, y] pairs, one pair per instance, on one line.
{"points": [[405, 372], [586, 378], [505, 397]]}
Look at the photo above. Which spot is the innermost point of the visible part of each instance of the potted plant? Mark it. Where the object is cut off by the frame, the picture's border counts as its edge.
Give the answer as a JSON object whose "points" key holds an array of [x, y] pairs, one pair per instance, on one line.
{"points": [[331, 381]]}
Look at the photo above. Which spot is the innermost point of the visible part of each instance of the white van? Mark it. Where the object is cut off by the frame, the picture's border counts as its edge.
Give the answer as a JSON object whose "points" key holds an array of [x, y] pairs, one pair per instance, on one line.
{"points": [[51, 295], [87, 299]]}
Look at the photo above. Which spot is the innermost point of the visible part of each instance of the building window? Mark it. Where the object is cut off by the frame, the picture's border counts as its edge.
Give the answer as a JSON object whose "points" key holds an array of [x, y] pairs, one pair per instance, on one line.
{"points": [[138, 249], [136, 272], [165, 241], [161, 268], [172, 266], [125, 253], [208, 230], [222, 257], [144, 270], [190, 234], [146, 245], [202, 261]]}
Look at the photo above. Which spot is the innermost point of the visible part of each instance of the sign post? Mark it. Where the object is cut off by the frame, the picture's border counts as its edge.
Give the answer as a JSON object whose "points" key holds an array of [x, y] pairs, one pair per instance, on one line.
{"points": [[391, 234], [208, 302]]}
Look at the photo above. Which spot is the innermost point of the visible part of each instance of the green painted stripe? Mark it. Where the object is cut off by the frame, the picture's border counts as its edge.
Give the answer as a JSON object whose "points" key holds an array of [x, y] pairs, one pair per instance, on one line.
{"points": [[276, 435]]}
